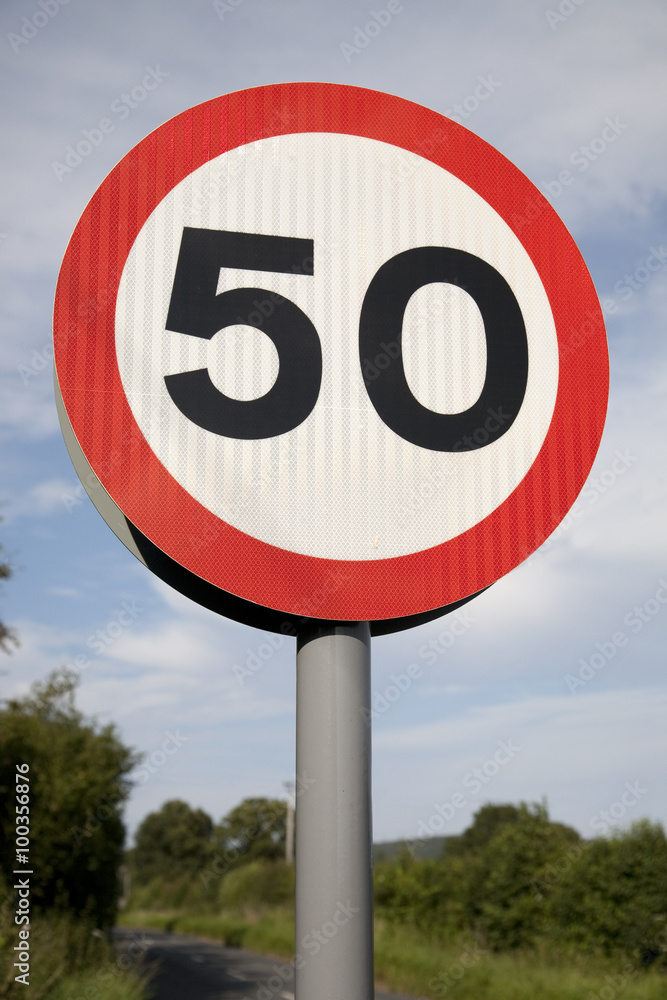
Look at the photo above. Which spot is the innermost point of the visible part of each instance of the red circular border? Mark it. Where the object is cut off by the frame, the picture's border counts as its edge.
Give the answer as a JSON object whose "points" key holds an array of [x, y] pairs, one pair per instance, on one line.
{"points": [[149, 496]]}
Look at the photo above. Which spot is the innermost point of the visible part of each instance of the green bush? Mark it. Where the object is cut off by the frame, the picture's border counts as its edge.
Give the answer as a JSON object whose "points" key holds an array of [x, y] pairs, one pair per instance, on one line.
{"points": [[502, 901], [78, 775], [184, 892], [488, 888], [613, 899], [429, 894], [256, 884]]}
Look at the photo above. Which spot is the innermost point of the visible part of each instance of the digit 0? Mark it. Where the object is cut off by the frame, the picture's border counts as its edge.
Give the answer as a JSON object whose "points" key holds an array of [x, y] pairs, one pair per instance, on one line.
{"points": [[506, 378]]}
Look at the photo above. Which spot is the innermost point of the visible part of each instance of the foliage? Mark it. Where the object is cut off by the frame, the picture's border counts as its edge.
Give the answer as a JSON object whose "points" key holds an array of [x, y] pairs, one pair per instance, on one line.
{"points": [[253, 884], [427, 894], [255, 829], [523, 884], [614, 899], [181, 862], [177, 844], [227, 929], [486, 822], [7, 635], [183, 891], [269, 930], [502, 900], [484, 881], [174, 841], [533, 880], [78, 784], [258, 883], [68, 959], [426, 850]]}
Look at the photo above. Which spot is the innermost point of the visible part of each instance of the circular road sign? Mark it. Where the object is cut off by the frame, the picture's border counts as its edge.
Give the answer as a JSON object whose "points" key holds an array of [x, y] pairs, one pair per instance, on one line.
{"points": [[328, 354]]}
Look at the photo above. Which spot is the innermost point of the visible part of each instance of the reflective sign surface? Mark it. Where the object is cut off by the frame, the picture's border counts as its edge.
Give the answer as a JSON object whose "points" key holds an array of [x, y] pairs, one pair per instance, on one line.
{"points": [[313, 352]]}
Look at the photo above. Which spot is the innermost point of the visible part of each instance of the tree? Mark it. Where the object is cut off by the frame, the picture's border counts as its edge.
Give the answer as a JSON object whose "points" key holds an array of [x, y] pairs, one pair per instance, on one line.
{"points": [[78, 782], [174, 841], [255, 828], [502, 899], [486, 822]]}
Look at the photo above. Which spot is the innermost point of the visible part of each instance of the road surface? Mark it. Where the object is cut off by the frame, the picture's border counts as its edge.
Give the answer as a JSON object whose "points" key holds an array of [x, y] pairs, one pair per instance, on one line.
{"points": [[182, 967]]}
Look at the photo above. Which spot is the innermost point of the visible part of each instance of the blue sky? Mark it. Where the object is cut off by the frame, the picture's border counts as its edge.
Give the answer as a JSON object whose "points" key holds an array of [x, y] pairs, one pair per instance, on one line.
{"points": [[556, 75]]}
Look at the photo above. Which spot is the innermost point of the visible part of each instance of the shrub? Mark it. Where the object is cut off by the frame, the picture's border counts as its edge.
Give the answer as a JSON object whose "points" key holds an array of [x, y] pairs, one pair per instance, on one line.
{"points": [[502, 901], [258, 883], [614, 898]]}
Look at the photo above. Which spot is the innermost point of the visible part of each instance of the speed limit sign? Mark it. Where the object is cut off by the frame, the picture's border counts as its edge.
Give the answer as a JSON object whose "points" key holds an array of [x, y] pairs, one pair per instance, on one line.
{"points": [[323, 360]]}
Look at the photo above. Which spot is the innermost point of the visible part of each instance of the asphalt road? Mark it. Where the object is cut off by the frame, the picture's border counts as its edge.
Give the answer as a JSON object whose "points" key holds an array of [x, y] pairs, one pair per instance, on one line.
{"points": [[181, 967]]}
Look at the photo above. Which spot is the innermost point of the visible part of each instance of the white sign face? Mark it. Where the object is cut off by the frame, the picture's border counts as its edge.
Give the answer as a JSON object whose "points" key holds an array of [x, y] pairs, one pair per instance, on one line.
{"points": [[341, 484], [330, 354]]}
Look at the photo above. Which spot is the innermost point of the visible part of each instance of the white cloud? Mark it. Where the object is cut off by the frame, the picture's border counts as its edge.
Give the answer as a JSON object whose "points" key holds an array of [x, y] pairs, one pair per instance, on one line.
{"points": [[578, 750], [174, 645], [42, 500], [27, 413], [573, 713], [67, 592]]}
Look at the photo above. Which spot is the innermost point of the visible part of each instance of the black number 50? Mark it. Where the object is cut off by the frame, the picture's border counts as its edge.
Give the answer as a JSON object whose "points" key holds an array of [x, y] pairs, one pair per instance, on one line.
{"points": [[196, 309]]}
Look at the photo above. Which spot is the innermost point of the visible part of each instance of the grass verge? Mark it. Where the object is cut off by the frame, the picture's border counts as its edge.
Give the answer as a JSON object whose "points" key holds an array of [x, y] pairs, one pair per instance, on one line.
{"points": [[67, 962], [406, 961]]}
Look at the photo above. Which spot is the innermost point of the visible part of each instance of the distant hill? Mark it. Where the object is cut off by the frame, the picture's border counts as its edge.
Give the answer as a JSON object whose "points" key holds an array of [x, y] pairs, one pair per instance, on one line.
{"points": [[432, 847]]}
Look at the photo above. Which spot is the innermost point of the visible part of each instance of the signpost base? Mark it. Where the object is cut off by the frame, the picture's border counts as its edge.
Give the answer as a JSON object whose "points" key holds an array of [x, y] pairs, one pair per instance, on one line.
{"points": [[334, 883]]}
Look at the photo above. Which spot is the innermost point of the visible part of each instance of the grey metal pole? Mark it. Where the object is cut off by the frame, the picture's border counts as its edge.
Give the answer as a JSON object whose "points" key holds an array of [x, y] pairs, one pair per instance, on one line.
{"points": [[334, 884]]}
